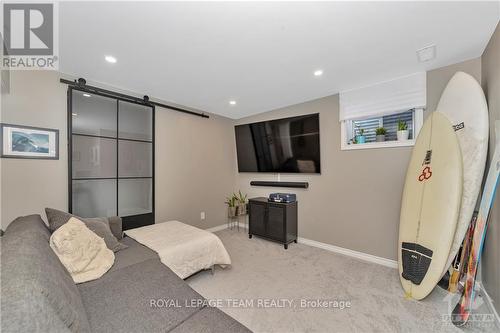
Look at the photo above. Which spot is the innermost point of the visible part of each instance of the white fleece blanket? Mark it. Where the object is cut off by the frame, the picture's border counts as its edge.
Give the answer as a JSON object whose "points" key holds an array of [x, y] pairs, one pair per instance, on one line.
{"points": [[182, 248], [81, 251]]}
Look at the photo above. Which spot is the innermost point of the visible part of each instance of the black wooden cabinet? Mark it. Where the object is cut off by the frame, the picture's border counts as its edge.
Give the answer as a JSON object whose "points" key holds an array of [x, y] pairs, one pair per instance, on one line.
{"points": [[272, 220]]}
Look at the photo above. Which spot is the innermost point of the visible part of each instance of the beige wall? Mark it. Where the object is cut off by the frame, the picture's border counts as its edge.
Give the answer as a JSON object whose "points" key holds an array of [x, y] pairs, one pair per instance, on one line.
{"points": [[194, 157], [491, 85], [28, 186], [355, 202], [195, 163]]}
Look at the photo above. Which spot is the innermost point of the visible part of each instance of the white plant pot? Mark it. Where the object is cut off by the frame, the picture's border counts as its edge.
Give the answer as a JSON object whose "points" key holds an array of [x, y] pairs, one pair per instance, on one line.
{"points": [[403, 135]]}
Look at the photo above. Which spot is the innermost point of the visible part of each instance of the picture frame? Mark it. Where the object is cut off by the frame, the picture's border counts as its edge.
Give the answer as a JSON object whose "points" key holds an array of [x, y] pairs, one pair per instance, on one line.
{"points": [[19, 141]]}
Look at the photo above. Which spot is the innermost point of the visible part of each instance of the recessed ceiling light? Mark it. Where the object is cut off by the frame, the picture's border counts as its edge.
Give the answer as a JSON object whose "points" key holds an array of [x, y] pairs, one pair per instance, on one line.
{"points": [[110, 59], [232, 102], [87, 95], [318, 72], [427, 53]]}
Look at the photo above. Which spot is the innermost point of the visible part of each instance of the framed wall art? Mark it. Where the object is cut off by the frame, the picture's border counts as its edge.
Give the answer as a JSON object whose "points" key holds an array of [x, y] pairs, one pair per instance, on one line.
{"points": [[18, 141]]}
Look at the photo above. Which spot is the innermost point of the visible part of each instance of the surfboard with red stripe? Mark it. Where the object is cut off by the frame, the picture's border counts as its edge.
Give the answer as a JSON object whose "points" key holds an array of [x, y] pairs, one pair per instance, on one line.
{"points": [[463, 309]]}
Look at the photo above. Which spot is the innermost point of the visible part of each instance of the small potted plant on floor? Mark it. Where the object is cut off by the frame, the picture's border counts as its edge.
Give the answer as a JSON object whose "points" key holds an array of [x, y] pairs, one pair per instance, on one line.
{"points": [[231, 205], [242, 203], [380, 132], [360, 138], [402, 130]]}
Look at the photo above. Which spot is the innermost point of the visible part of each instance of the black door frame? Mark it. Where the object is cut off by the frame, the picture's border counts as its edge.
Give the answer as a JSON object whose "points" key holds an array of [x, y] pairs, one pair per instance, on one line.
{"points": [[128, 222]]}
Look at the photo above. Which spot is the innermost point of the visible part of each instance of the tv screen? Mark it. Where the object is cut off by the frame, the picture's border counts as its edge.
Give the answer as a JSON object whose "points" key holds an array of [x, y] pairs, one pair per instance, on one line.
{"points": [[288, 145]]}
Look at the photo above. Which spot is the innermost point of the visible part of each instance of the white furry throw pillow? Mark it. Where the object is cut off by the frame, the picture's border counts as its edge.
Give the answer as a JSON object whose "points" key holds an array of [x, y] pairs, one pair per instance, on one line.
{"points": [[81, 251]]}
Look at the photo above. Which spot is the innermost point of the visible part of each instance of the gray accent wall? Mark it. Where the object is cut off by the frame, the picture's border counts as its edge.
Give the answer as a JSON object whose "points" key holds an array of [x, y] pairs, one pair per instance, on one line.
{"points": [[355, 202], [491, 84]]}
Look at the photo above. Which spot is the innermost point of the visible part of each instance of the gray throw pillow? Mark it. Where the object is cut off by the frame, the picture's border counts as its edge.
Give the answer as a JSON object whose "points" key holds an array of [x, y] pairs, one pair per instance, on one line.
{"points": [[99, 225], [115, 224]]}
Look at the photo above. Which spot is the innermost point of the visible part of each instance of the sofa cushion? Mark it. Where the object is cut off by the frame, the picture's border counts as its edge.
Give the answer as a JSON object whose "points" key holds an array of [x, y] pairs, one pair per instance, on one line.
{"points": [[125, 298], [210, 320], [37, 293], [135, 253], [29, 223], [99, 225]]}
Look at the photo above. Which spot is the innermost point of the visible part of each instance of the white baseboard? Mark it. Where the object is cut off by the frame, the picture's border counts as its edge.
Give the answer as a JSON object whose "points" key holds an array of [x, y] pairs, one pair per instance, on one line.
{"points": [[224, 226], [332, 248], [217, 228], [489, 303], [243, 225], [351, 253]]}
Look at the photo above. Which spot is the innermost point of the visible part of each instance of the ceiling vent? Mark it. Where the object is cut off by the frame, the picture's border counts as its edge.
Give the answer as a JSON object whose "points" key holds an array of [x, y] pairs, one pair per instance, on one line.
{"points": [[427, 53]]}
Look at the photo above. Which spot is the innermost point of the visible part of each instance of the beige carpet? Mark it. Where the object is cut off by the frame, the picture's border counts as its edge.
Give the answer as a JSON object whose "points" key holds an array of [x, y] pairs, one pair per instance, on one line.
{"points": [[263, 272]]}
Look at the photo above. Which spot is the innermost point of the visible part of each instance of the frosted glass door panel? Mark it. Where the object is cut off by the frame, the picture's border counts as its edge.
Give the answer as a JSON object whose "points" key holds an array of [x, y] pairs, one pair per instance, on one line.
{"points": [[94, 157], [135, 196], [134, 159], [94, 115], [135, 121], [94, 198]]}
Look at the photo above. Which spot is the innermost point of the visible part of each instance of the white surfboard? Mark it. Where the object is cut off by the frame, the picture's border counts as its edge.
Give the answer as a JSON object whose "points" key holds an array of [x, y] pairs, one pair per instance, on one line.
{"points": [[464, 104], [430, 206]]}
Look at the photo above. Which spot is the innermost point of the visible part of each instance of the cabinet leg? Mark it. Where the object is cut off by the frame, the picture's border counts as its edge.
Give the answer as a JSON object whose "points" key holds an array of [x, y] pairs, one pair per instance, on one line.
{"points": [[295, 241], [286, 246], [250, 236]]}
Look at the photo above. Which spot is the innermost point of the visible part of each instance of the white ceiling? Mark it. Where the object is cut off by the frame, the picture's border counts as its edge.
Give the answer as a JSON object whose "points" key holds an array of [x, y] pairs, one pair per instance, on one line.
{"points": [[263, 55]]}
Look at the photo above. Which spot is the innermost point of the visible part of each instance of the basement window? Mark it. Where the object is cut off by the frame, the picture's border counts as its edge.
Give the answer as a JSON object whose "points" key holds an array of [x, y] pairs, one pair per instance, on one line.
{"points": [[362, 133]]}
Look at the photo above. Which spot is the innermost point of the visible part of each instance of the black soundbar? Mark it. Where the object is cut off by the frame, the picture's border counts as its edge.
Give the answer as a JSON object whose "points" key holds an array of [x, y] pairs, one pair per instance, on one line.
{"points": [[279, 184]]}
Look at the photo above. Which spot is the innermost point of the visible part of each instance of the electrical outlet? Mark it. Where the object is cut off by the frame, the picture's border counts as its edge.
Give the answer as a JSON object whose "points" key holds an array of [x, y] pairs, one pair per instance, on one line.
{"points": [[202, 216]]}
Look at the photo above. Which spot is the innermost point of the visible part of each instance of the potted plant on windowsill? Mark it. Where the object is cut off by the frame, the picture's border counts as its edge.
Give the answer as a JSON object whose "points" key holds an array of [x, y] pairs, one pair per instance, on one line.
{"points": [[231, 206], [380, 132], [360, 138], [242, 203], [403, 132]]}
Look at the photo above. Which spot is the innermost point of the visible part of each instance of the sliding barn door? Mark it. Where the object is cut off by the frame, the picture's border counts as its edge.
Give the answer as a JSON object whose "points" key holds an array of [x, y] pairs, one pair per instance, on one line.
{"points": [[111, 158]]}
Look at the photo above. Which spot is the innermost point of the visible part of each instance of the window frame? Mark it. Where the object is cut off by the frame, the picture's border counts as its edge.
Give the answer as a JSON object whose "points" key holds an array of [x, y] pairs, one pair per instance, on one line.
{"points": [[418, 121]]}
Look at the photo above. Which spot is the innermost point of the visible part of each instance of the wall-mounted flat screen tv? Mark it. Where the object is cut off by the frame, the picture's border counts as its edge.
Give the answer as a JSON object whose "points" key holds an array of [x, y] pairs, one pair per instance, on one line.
{"points": [[288, 145]]}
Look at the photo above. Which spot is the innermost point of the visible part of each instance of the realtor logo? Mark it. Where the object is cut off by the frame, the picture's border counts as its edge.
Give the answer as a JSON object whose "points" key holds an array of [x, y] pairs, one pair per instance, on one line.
{"points": [[29, 36]]}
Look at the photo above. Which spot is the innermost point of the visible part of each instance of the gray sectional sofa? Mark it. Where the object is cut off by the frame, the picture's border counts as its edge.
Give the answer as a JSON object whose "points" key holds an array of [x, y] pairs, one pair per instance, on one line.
{"points": [[39, 295]]}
